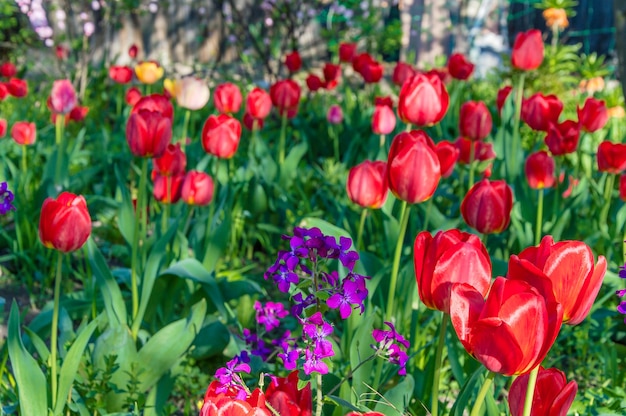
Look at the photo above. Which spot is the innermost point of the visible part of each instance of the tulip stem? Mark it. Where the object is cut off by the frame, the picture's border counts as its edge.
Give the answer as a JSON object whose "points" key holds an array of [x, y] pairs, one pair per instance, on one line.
{"points": [[140, 233], [442, 339], [517, 146], [24, 160], [320, 398], [530, 391], [472, 156], [335, 137], [608, 189], [55, 326], [281, 143], [183, 138], [404, 220], [359, 235], [429, 208], [59, 124], [482, 393], [539, 218]]}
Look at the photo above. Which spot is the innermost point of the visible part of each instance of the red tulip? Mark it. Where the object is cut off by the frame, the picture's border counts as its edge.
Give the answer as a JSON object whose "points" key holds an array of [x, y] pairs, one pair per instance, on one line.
{"points": [[611, 157], [509, 332], [441, 73], [402, 72], [562, 138], [475, 120], [3, 127], [227, 404], [413, 169], [482, 150], [372, 72], [285, 96], [78, 113], [8, 70], [593, 116], [167, 189], [62, 97], [487, 206], [448, 155], [258, 103], [332, 75], [423, 100], [450, 257], [24, 133], [540, 110], [553, 394], [365, 414], [293, 62], [148, 133], [61, 52], [360, 60], [4, 91], [227, 98], [383, 120], [527, 51], [121, 74], [388, 101], [622, 178], [16, 87], [334, 114], [197, 188], [221, 135], [314, 83], [285, 397], [347, 51], [367, 184], [459, 67], [568, 266], [249, 122], [132, 51], [503, 94], [155, 102], [172, 162], [64, 224], [539, 170], [133, 95]]}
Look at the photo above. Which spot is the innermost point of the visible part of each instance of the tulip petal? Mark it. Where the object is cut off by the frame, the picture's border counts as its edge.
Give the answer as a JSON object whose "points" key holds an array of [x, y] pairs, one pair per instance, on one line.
{"points": [[466, 304], [588, 294], [564, 399]]}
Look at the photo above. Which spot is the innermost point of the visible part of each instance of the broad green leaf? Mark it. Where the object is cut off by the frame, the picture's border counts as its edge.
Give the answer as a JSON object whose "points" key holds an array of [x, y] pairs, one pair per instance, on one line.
{"points": [[360, 349], [211, 340], [111, 294], [289, 169], [218, 241], [31, 382], [126, 218], [326, 227], [396, 400], [38, 343]]}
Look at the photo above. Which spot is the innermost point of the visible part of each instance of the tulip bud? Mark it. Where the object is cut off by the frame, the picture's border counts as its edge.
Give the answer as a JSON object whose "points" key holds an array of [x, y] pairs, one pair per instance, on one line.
{"points": [[539, 170], [167, 189], [593, 116], [16, 87], [562, 138], [553, 394], [372, 72], [611, 157], [173, 161], [383, 120], [149, 72], [78, 113], [133, 95], [197, 188], [314, 83], [191, 93], [347, 51], [62, 97], [24, 133], [155, 102], [475, 120], [482, 150], [121, 74], [487, 206], [540, 110], [367, 184], [334, 115], [221, 135], [448, 155], [148, 133], [132, 51], [332, 74], [64, 224], [402, 72], [258, 103], [285, 96], [503, 94], [459, 67], [227, 98], [8, 70], [527, 53], [287, 399], [423, 100], [293, 62]]}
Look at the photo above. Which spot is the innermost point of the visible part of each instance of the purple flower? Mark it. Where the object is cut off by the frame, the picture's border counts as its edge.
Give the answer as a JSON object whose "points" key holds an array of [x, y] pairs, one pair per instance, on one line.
{"points": [[316, 329], [6, 199], [301, 304], [313, 363], [385, 336], [228, 377], [290, 359], [622, 272], [350, 294], [283, 277], [269, 315], [388, 347], [398, 357], [256, 345]]}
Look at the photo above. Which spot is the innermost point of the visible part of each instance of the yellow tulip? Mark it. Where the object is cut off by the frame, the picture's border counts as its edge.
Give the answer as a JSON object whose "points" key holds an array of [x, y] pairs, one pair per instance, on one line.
{"points": [[148, 72]]}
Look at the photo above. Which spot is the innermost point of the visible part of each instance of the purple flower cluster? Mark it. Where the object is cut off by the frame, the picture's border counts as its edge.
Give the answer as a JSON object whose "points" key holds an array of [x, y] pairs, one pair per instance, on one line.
{"points": [[269, 315], [621, 308], [228, 377], [390, 344], [6, 199]]}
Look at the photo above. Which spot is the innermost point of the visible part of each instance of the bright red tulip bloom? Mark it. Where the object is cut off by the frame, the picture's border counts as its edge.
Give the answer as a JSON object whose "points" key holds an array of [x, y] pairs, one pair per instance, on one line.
{"points": [[167, 189], [539, 169], [367, 184], [227, 98], [448, 155], [475, 120], [347, 51], [133, 95], [503, 94], [482, 150], [258, 103], [121, 74], [460, 67], [3, 127], [332, 75], [511, 331], [423, 100], [197, 188], [563, 138], [62, 97], [24, 133], [314, 83], [360, 60], [172, 162], [622, 179], [8, 70], [64, 224], [553, 394], [401, 72], [250, 122], [78, 113], [413, 169], [293, 62], [285, 96], [540, 110], [227, 403], [593, 116], [132, 51], [372, 72], [569, 268], [383, 120], [221, 135], [4, 91], [155, 102], [487, 206], [449, 257], [441, 73], [611, 157], [285, 397], [16, 87], [148, 133], [528, 50]]}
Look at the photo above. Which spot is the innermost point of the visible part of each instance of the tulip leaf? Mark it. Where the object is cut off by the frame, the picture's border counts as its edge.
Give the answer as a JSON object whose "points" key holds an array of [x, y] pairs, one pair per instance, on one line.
{"points": [[217, 243], [70, 365], [359, 350], [111, 294], [166, 347], [126, 217], [325, 227], [467, 392], [289, 168], [396, 400], [40, 346], [30, 380]]}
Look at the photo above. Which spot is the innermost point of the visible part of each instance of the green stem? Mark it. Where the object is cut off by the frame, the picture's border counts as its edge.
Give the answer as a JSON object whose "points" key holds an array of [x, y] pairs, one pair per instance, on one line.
{"points": [[539, 218], [119, 99], [557, 193], [482, 394], [471, 165], [555, 41], [517, 147], [140, 219], [59, 124], [608, 190], [530, 391], [404, 220], [442, 339], [55, 327], [320, 397], [359, 235], [281, 143], [382, 142], [183, 138], [24, 160], [207, 230]]}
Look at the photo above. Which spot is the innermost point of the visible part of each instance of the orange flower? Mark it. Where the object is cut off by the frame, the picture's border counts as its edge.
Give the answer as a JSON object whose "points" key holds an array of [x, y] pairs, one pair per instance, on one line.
{"points": [[616, 112], [591, 86], [556, 17]]}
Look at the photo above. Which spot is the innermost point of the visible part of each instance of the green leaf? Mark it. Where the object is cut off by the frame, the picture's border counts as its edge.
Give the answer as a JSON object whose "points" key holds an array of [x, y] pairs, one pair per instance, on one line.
{"points": [[466, 392], [70, 365], [111, 294], [126, 218], [359, 350], [38, 343], [31, 381], [326, 227], [289, 169], [218, 241], [396, 400], [164, 349]]}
